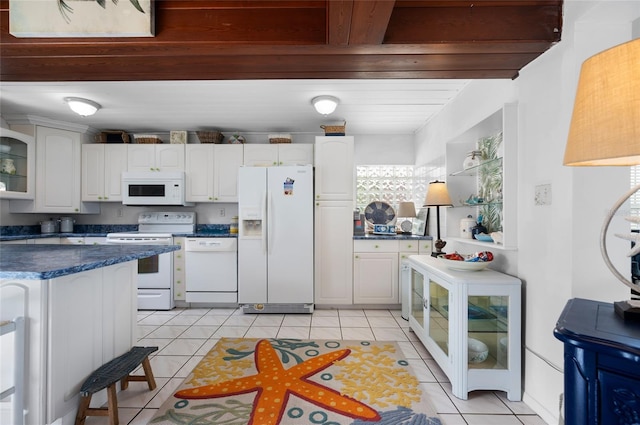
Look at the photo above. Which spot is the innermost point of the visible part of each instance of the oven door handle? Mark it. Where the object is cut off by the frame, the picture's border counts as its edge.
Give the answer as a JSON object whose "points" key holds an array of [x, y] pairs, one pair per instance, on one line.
{"points": [[161, 241]]}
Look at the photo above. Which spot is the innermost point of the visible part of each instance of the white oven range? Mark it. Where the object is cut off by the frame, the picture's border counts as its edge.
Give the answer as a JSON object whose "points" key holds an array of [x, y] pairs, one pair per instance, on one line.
{"points": [[155, 274]]}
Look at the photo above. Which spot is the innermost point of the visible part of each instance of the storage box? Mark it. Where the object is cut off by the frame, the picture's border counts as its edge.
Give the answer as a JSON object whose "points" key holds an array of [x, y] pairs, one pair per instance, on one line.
{"points": [[280, 138], [210, 136], [112, 136], [334, 129]]}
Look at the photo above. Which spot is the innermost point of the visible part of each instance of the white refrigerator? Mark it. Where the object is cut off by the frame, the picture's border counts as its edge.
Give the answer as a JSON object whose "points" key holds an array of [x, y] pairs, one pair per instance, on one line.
{"points": [[275, 239]]}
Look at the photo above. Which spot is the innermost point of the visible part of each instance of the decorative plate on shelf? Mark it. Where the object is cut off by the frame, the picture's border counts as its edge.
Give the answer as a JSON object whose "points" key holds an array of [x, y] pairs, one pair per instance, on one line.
{"points": [[379, 213]]}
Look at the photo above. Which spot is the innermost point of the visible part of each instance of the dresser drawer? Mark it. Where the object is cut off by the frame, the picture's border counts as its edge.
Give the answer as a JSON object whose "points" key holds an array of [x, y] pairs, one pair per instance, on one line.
{"points": [[375, 246], [408, 246]]}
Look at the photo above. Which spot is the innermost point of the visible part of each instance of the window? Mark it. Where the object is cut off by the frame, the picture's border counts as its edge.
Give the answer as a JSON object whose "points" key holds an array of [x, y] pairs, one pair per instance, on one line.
{"points": [[389, 183]]}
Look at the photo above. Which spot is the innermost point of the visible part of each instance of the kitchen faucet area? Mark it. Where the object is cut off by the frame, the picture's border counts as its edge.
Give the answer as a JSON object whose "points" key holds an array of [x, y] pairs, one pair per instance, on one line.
{"points": [[402, 197]]}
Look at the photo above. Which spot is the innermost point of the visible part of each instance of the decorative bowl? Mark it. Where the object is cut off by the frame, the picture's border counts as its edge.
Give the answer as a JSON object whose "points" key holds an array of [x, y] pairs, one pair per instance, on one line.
{"points": [[379, 213], [478, 351], [465, 265]]}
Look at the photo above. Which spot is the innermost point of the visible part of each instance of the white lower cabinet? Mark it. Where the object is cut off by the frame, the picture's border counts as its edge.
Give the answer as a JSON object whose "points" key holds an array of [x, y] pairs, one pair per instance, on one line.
{"points": [[75, 324], [470, 322], [376, 268], [179, 288], [333, 253]]}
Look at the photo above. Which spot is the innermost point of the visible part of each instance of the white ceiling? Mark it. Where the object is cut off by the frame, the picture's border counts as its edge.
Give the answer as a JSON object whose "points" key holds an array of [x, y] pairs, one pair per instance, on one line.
{"points": [[256, 106]]}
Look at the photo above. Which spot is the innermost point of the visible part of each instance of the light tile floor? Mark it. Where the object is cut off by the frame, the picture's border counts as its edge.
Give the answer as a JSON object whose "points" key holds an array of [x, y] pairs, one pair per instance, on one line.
{"points": [[184, 336]]}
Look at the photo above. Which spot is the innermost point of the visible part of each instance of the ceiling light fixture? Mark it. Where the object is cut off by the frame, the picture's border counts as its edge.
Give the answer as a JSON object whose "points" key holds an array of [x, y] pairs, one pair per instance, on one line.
{"points": [[83, 107], [325, 104]]}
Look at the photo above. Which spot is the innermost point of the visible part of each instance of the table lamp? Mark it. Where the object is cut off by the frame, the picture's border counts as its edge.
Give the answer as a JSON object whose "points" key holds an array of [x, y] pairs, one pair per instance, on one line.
{"points": [[406, 210], [605, 131], [438, 196]]}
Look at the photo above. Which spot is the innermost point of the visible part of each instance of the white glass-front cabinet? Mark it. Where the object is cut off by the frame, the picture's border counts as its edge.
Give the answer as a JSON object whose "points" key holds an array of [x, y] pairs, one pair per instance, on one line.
{"points": [[470, 323], [102, 167], [17, 165]]}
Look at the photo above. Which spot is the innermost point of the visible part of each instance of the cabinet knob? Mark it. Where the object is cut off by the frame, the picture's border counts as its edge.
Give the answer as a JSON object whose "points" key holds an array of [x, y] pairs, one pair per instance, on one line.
{"points": [[106, 197], [377, 246], [178, 281], [409, 246], [317, 196], [317, 204], [178, 269], [357, 256], [211, 198], [151, 169]]}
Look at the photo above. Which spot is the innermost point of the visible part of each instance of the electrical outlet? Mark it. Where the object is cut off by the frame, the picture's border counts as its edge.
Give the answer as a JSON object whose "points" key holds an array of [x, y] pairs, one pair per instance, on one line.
{"points": [[222, 212], [543, 194], [119, 212]]}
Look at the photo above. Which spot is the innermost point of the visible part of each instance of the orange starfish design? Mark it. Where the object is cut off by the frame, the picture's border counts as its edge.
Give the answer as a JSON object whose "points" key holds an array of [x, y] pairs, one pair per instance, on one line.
{"points": [[274, 384]]}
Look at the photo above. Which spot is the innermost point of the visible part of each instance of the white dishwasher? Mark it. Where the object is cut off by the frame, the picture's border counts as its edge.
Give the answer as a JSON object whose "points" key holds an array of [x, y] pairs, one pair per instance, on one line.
{"points": [[211, 270]]}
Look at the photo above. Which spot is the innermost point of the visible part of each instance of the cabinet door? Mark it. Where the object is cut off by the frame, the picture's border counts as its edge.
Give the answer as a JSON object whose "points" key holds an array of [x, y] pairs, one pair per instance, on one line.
{"points": [[261, 155], [115, 162], [334, 168], [93, 172], [295, 154], [169, 157], [199, 172], [22, 153], [334, 252], [58, 160], [375, 278], [227, 160], [75, 338], [141, 157], [179, 283]]}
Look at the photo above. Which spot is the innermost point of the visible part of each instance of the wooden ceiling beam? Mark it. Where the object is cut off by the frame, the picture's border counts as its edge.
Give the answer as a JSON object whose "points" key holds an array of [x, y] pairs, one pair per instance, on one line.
{"points": [[369, 21]]}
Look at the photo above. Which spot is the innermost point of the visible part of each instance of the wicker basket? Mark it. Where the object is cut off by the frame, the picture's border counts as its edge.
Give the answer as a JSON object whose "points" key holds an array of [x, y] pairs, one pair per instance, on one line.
{"points": [[334, 130], [112, 136], [210, 136], [279, 138], [147, 139]]}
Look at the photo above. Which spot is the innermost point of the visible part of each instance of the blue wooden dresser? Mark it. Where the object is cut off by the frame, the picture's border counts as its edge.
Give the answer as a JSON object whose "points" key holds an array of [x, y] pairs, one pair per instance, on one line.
{"points": [[601, 364]]}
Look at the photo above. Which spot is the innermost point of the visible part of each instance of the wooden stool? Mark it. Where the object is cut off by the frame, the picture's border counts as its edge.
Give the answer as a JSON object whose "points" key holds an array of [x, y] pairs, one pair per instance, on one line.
{"points": [[118, 369]]}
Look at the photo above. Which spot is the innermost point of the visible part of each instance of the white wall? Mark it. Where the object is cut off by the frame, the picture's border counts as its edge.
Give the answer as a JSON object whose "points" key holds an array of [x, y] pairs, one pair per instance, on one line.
{"points": [[558, 254]]}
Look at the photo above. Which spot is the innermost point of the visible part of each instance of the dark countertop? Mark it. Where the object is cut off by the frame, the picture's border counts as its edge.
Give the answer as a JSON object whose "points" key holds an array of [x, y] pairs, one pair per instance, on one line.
{"points": [[41, 262], [88, 235], [396, 237]]}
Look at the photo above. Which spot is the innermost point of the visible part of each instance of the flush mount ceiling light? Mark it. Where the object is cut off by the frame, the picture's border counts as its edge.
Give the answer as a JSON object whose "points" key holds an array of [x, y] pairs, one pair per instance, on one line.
{"points": [[83, 107], [325, 104]]}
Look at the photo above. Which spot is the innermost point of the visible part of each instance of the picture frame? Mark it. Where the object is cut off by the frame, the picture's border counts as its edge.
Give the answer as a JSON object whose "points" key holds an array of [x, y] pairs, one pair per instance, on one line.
{"points": [[421, 222]]}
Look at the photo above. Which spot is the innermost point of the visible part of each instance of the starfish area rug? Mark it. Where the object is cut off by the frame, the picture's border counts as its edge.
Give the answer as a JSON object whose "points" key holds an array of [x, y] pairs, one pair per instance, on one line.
{"points": [[299, 382]]}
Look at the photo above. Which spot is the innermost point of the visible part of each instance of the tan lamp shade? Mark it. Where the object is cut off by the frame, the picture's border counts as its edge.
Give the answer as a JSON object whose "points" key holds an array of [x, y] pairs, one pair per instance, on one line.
{"points": [[406, 209], [605, 126], [437, 195]]}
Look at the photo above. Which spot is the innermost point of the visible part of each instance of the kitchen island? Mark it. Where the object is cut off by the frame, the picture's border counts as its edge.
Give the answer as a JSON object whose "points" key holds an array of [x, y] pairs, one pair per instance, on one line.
{"points": [[80, 309]]}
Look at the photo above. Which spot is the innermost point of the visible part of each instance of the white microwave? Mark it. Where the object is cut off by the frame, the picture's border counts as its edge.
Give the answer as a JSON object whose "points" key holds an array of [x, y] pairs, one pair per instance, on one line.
{"points": [[153, 188]]}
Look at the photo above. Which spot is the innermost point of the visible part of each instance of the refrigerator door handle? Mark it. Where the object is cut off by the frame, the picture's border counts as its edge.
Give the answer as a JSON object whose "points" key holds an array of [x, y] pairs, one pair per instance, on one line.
{"points": [[264, 222], [269, 226]]}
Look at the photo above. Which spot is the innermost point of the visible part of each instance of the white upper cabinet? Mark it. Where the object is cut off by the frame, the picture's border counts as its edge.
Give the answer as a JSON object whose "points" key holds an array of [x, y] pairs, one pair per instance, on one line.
{"points": [[272, 155], [102, 167], [58, 164], [227, 160], [334, 168], [17, 165], [212, 172], [156, 157]]}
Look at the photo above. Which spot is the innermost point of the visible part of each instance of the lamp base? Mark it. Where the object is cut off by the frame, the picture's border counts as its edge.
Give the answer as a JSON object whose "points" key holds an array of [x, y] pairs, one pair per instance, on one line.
{"points": [[439, 244], [627, 312]]}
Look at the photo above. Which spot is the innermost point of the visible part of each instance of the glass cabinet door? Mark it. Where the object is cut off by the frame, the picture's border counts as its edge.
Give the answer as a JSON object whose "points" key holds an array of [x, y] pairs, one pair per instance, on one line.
{"points": [[439, 315], [417, 297], [488, 332], [17, 159]]}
